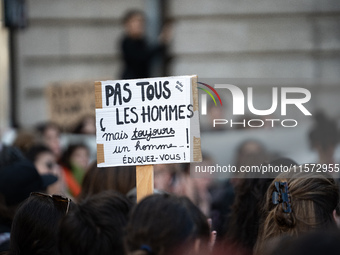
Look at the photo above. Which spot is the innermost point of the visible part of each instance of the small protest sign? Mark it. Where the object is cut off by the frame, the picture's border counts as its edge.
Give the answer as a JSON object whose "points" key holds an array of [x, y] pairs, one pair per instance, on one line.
{"points": [[69, 102], [147, 121]]}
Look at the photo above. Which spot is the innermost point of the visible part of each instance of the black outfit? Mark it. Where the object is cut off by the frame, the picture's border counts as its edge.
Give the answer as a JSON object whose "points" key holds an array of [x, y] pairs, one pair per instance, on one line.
{"points": [[9, 155], [5, 229], [17, 181], [222, 200], [137, 56]]}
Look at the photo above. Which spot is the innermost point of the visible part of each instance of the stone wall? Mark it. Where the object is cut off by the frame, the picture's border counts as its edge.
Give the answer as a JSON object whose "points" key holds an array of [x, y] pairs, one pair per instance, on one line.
{"points": [[294, 42], [72, 40], [67, 41]]}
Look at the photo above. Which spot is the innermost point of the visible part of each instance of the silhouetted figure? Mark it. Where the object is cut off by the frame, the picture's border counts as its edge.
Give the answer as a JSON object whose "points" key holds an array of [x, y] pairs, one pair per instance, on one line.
{"points": [[137, 54]]}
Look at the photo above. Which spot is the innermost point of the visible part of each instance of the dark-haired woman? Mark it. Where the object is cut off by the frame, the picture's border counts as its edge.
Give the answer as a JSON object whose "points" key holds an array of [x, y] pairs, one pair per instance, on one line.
{"points": [[74, 162], [166, 224], [35, 225]]}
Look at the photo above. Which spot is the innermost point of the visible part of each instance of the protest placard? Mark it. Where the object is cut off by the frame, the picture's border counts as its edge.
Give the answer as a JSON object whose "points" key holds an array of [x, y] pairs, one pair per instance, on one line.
{"points": [[147, 121], [69, 102]]}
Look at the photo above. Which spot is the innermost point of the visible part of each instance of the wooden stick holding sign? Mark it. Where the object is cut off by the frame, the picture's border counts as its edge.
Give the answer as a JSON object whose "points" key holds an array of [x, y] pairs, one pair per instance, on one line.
{"points": [[145, 122], [144, 181]]}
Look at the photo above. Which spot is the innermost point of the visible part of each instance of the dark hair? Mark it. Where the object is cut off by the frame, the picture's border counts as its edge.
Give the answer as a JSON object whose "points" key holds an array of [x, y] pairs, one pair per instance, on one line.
{"points": [[245, 214], [242, 228], [78, 129], [95, 226], [165, 224], [200, 220], [35, 227], [131, 13], [121, 179], [250, 157], [10, 155], [43, 127], [314, 196], [65, 159], [315, 243], [36, 150], [324, 133]]}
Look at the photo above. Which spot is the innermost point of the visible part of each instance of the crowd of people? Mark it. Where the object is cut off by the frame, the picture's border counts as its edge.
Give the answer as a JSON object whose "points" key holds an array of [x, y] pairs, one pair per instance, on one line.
{"points": [[53, 200]]}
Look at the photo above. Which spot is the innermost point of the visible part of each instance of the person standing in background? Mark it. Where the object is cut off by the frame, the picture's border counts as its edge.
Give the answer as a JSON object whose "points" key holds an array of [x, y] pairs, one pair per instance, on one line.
{"points": [[137, 54]]}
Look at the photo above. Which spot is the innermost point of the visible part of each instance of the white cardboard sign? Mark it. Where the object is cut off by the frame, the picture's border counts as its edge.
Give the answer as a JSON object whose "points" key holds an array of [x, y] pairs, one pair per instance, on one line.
{"points": [[147, 121]]}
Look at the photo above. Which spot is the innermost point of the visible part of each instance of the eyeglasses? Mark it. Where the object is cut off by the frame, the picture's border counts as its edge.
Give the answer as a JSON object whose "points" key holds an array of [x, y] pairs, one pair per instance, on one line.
{"points": [[60, 201]]}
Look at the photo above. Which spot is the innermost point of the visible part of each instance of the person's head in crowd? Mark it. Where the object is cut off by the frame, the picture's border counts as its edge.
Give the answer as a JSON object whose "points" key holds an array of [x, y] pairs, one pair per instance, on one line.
{"points": [[324, 137], [316, 243], [50, 135], [87, 125], [121, 179], [165, 176], [9, 155], [18, 180], [24, 140], [166, 224], [134, 23], [76, 156], [184, 185], [215, 112], [200, 220], [202, 181], [43, 159], [296, 203], [249, 153], [243, 226], [35, 225], [74, 163], [95, 226], [180, 181], [45, 162]]}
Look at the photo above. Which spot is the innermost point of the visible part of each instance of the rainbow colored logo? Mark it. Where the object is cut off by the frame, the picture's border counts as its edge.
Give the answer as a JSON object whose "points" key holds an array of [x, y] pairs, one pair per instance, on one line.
{"points": [[209, 93]]}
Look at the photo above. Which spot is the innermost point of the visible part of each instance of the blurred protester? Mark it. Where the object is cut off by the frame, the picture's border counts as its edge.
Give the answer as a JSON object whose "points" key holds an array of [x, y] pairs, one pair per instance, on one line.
{"points": [[324, 137], [201, 184], [249, 153], [222, 200], [74, 163], [87, 126], [121, 179], [166, 224], [9, 155], [17, 181], [25, 140], [95, 226], [165, 177], [136, 52], [183, 184], [35, 225], [243, 226], [49, 134], [45, 163], [297, 203], [214, 112]]}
